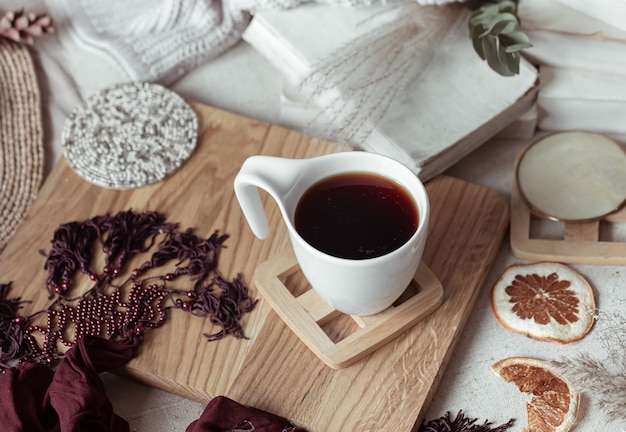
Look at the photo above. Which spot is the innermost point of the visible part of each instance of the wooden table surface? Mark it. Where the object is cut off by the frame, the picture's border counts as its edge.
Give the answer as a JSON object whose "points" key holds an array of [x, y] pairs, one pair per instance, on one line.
{"points": [[273, 369]]}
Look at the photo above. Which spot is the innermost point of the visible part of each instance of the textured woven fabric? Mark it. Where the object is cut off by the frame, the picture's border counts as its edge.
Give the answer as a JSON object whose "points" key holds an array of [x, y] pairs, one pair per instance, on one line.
{"points": [[21, 138], [161, 40]]}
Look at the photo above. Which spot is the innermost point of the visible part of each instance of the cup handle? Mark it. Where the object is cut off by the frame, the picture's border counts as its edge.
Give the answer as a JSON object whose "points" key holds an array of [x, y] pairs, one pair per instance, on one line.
{"points": [[276, 175]]}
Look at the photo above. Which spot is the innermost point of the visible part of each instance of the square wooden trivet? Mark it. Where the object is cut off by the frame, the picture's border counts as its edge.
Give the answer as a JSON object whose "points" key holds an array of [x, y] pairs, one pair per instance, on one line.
{"points": [[578, 243], [338, 339]]}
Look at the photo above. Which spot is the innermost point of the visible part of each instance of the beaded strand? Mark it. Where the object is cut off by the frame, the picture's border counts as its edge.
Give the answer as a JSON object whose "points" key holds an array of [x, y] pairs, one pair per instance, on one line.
{"points": [[130, 135], [123, 311]]}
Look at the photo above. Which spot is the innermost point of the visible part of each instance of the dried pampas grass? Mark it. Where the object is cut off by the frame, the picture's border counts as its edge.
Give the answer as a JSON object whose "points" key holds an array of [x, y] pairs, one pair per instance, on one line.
{"points": [[356, 84], [603, 379]]}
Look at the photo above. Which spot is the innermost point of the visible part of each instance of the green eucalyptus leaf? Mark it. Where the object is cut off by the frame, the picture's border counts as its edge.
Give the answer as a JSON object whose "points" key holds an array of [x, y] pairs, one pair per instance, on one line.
{"points": [[498, 60], [509, 61], [490, 48], [506, 16], [516, 38], [499, 23], [477, 42], [515, 57], [496, 36], [516, 48], [503, 27]]}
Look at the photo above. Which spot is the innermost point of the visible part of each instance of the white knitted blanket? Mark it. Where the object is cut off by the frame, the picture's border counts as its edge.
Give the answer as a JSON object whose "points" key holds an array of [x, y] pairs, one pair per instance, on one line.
{"points": [[161, 40]]}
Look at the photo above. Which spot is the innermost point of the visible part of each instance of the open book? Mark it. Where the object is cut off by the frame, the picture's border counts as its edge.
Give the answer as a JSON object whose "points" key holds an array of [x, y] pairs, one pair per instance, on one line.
{"points": [[454, 104]]}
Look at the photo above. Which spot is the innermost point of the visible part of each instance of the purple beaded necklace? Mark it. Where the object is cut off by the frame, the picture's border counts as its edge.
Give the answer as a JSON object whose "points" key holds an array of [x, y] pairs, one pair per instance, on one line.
{"points": [[121, 307]]}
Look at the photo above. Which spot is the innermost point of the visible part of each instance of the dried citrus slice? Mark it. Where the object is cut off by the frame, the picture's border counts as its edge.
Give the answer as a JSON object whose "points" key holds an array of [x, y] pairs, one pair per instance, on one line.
{"points": [[554, 403], [544, 301]]}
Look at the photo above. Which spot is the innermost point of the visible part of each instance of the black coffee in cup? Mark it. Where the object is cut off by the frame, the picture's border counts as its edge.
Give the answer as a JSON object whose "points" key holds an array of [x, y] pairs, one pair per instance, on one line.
{"points": [[356, 215]]}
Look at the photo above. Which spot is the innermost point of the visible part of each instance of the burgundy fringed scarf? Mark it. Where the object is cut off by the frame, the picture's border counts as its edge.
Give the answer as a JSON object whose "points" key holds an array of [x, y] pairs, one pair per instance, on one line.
{"points": [[45, 390], [121, 302]]}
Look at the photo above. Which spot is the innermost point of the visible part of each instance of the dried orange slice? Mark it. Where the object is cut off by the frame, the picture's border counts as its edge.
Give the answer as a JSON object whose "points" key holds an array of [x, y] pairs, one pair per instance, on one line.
{"points": [[544, 301], [554, 404]]}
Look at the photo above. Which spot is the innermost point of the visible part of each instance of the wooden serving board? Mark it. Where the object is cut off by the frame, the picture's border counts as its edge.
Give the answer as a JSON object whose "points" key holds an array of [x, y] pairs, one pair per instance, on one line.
{"points": [[273, 370]]}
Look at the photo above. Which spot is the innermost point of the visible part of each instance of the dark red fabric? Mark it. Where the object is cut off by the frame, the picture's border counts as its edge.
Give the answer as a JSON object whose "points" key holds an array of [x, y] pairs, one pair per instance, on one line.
{"points": [[34, 398], [71, 399], [23, 392], [77, 393], [225, 415]]}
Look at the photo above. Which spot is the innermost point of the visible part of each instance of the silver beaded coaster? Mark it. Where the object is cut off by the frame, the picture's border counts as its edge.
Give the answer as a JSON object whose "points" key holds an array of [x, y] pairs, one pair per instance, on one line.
{"points": [[130, 135]]}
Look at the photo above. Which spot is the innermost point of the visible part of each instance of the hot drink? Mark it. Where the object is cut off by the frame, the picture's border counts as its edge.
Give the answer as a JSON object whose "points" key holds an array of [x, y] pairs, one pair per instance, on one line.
{"points": [[356, 215], [357, 221]]}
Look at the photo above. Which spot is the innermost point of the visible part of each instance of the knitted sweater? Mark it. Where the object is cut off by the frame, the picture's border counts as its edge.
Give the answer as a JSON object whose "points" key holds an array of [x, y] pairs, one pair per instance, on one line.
{"points": [[161, 40]]}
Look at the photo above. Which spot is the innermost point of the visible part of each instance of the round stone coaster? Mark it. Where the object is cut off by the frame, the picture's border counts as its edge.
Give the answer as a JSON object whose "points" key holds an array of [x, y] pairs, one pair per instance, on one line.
{"points": [[130, 135], [573, 176]]}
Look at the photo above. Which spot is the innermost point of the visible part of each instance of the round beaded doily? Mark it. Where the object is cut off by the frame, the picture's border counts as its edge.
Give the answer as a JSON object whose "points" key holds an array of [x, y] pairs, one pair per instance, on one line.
{"points": [[130, 135]]}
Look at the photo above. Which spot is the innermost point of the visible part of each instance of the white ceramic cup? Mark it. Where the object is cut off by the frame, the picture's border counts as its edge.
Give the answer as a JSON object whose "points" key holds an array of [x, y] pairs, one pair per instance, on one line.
{"points": [[351, 286]]}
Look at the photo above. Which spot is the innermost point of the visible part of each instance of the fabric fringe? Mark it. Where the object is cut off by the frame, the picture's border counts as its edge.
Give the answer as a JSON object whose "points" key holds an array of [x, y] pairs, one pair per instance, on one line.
{"points": [[121, 304], [461, 423]]}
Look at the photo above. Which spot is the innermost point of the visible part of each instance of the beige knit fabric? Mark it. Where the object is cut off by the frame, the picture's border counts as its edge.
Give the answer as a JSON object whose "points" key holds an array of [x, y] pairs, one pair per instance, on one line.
{"points": [[161, 40], [21, 137]]}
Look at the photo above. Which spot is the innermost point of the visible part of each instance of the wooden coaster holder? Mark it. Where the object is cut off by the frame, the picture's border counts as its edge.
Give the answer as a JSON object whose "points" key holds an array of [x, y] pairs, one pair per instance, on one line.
{"points": [[581, 243], [308, 316]]}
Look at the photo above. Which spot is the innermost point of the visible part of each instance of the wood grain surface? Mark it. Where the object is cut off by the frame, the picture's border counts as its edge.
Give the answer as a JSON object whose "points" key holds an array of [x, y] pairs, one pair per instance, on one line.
{"points": [[340, 340], [273, 369]]}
